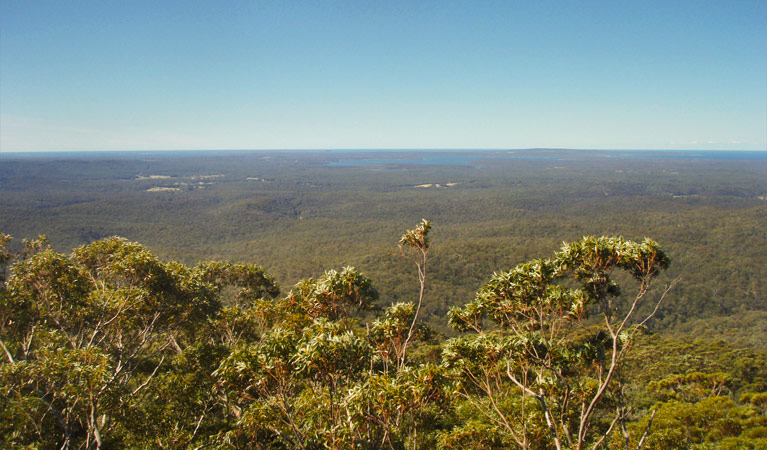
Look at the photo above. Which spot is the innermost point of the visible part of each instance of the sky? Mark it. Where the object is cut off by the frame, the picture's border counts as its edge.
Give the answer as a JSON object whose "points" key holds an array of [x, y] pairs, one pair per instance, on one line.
{"points": [[480, 74]]}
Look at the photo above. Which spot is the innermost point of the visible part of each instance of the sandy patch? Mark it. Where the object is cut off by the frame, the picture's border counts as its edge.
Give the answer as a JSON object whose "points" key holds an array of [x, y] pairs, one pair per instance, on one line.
{"points": [[163, 189], [154, 177], [436, 185]]}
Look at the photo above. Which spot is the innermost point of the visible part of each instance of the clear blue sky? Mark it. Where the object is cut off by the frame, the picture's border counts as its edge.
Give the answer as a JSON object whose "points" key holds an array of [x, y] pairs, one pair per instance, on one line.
{"points": [[125, 75]]}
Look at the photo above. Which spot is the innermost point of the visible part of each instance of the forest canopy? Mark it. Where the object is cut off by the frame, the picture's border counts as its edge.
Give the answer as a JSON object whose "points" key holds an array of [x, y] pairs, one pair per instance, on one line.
{"points": [[298, 213], [111, 347]]}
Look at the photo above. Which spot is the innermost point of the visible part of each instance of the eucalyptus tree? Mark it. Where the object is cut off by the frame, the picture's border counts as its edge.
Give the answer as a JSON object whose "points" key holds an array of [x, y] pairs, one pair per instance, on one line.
{"points": [[247, 296], [397, 395], [87, 334], [390, 334], [415, 245], [315, 379], [559, 364], [5, 255], [286, 387], [333, 295], [183, 406]]}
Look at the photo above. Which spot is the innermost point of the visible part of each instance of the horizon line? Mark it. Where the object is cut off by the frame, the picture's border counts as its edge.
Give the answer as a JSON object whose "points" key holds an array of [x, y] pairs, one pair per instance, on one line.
{"points": [[381, 149]]}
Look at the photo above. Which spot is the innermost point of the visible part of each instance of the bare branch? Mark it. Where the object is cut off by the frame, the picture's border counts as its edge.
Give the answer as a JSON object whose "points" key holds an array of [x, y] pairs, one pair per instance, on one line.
{"points": [[149, 378], [7, 353], [609, 430], [646, 431]]}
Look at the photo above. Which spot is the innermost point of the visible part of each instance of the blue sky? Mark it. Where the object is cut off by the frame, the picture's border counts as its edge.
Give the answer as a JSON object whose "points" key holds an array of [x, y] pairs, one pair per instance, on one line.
{"points": [[131, 75]]}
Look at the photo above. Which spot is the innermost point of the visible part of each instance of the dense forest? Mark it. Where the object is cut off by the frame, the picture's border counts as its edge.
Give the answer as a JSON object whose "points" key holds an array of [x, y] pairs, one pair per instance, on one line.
{"points": [[300, 213], [330, 328]]}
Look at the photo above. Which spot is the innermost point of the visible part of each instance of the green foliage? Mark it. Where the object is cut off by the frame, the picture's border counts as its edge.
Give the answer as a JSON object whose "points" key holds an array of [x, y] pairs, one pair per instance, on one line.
{"points": [[298, 216], [249, 280], [417, 238], [537, 347], [112, 347], [87, 335], [389, 333], [714, 422], [5, 255], [330, 352], [333, 294]]}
